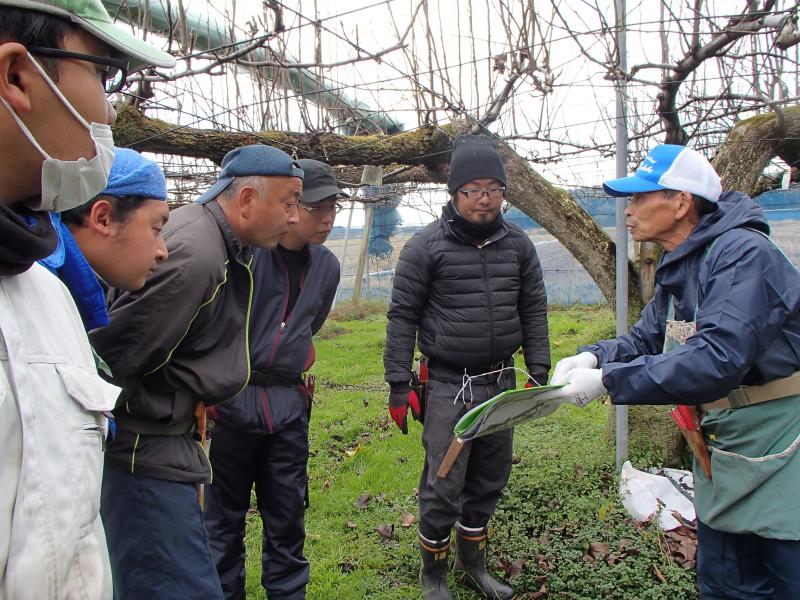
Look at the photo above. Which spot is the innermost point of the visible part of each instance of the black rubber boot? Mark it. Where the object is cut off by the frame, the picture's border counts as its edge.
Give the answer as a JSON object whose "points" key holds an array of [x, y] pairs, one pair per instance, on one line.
{"points": [[433, 571], [470, 565]]}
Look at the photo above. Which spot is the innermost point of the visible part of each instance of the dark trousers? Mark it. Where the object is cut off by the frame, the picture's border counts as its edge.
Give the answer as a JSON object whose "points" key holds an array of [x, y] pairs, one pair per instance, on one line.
{"points": [[734, 566], [276, 464], [470, 492], [156, 539]]}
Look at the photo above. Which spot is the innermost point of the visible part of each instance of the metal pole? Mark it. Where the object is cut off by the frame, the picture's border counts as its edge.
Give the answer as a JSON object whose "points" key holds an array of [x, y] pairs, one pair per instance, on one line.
{"points": [[621, 236], [372, 175], [344, 250]]}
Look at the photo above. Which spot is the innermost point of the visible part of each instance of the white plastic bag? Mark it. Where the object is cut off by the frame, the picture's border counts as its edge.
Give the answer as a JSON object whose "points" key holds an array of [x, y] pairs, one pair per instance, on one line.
{"points": [[645, 495]]}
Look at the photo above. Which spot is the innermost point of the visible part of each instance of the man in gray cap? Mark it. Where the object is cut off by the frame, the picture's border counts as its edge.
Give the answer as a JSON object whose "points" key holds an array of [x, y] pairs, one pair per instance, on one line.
{"points": [[176, 346], [261, 437], [469, 289], [58, 59]]}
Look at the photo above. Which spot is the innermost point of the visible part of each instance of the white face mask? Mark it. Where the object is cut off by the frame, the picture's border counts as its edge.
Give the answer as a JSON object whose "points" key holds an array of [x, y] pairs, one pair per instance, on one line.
{"points": [[70, 183]]}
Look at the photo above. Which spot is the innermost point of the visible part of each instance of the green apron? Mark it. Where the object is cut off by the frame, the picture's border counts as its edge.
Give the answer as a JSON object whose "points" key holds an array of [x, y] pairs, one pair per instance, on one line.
{"points": [[755, 465]]}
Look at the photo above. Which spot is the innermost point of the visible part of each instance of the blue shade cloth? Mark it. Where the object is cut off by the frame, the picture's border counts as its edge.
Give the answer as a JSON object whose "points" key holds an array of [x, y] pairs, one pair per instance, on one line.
{"points": [[258, 159], [134, 175], [70, 265]]}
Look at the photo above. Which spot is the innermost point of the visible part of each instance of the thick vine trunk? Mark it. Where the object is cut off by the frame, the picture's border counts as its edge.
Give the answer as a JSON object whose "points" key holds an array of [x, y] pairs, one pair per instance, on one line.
{"points": [[427, 150], [752, 143]]}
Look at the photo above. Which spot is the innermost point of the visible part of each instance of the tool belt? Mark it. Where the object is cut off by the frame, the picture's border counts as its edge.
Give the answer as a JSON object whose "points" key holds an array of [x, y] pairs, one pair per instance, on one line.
{"points": [[436, 364], [756, 394], [269, 379], [145, 427]]}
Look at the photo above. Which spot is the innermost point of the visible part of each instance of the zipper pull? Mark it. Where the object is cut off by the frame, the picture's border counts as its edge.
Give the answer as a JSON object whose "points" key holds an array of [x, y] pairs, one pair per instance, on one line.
{"points": [[283, 326]]}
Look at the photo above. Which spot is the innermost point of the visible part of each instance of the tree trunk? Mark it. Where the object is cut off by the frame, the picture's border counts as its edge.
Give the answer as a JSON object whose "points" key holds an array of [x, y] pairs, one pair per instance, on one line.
{"points": [[556, 211], [752, 143], [427, 149]]}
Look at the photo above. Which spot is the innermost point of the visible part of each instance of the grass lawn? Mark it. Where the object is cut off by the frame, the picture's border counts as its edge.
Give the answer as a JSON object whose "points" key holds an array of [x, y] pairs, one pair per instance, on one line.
{"points": [[560, 530]]}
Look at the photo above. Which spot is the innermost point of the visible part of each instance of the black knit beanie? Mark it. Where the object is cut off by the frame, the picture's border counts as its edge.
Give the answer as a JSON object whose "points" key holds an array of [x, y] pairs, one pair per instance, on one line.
{"points": [[474, 157]]}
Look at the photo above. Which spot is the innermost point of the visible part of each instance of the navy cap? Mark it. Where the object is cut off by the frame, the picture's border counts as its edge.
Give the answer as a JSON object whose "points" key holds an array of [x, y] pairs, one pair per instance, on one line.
{"points": [[319, 182], [258, 160]]}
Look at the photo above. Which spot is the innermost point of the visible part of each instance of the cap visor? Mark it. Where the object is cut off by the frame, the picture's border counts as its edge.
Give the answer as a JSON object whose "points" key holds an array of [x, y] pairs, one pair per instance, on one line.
{"points": [[627, 186], [320, 193], [140, 54], [215, 190]]}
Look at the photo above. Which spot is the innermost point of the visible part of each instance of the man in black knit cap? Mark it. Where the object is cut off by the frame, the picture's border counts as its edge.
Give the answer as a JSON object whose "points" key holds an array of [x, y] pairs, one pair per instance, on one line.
{"points": [[468, 288]]}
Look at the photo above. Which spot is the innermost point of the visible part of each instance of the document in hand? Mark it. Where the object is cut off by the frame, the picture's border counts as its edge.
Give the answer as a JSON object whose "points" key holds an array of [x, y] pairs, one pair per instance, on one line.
{"points": [[506, 410]]}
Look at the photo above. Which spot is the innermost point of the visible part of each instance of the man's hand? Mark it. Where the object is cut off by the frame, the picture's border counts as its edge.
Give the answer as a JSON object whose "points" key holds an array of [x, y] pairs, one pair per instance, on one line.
{"points": [[584, 360], [537, 376], [583, 386], [401, 398]]}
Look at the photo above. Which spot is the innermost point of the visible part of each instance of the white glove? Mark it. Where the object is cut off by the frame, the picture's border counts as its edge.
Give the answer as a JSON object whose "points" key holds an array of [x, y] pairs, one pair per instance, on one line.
{"points": [[584, 360], [583, 386]]}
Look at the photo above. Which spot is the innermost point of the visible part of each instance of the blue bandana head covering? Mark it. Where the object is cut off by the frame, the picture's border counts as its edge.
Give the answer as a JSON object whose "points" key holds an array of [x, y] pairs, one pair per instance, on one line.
{"points": [[134, 175]]}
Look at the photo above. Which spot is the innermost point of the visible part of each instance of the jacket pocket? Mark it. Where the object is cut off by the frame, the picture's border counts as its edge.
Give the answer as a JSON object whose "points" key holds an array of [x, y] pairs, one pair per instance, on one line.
{"points": [[88, 389], [89, 458]]}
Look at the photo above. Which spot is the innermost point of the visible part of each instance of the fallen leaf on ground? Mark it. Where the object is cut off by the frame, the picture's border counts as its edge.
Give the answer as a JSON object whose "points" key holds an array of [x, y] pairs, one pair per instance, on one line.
{"points": [[364, 500], [386, 531], [407, 519], [511, 569], [542, 593], [598, 550]]}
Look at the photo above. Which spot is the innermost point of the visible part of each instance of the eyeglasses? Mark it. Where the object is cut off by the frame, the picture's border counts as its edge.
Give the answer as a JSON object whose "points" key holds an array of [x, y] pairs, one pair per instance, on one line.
{"points": [[334, 208], [476, 194], [113, 77]]}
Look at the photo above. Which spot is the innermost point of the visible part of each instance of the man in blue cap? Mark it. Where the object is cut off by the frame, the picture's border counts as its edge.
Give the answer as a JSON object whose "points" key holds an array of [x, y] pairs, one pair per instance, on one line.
{"points": [[58, 60], [722, 334], [176, 346], [261, 436], [115, 237]]}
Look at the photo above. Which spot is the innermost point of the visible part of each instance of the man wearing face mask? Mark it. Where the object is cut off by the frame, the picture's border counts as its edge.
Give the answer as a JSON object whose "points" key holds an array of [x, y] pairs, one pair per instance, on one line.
{"points": [[55, 59]]}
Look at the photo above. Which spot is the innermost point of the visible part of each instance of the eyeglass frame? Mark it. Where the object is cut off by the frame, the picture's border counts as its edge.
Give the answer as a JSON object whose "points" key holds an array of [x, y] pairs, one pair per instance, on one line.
{"points": [[336, 208], [485, 192], [119, 63]]}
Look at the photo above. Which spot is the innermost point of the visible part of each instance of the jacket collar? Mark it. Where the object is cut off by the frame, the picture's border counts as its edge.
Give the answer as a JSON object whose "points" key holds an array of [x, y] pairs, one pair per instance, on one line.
{"points": [[499, 234], [234, 246]]}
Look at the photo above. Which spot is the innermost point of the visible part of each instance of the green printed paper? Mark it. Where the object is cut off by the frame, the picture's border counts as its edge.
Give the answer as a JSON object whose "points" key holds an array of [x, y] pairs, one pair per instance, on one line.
{"points": [[505, 410]]}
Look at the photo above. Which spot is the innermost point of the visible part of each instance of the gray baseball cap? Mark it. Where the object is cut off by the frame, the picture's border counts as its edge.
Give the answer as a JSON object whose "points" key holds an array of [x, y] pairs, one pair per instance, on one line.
{"points": [[319, 182], [259, 160]]}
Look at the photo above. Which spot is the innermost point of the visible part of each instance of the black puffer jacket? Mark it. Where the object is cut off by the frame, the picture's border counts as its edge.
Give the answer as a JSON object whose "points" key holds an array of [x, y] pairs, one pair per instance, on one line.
{"points": [[472, 306]]}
